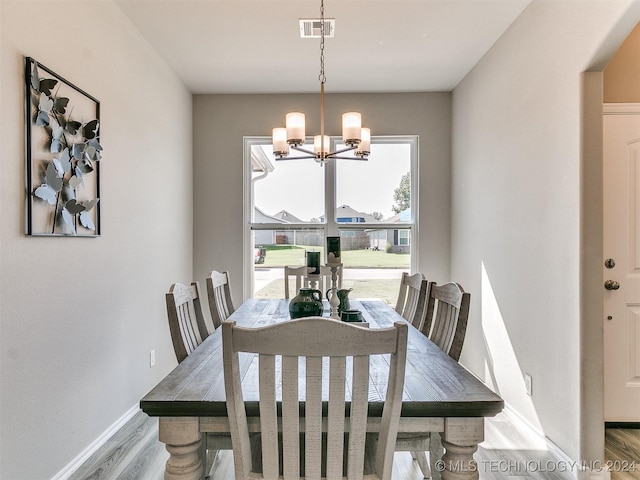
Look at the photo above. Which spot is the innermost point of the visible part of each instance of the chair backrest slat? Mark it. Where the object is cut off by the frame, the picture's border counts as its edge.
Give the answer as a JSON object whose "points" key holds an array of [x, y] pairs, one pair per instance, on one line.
{"points": [[268, 412], [335, 417], [290, 417], [358, 415], [313, 418], [302, 344], [219, 294], [186, 322]]}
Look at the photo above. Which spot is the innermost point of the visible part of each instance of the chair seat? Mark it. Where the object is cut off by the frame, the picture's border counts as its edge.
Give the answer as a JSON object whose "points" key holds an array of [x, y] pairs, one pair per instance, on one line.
{"points": [[408, 442]]}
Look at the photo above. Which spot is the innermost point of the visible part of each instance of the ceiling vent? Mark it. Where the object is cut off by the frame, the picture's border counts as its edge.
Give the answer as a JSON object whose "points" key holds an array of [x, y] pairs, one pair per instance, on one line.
{"points": [[311, 27]]}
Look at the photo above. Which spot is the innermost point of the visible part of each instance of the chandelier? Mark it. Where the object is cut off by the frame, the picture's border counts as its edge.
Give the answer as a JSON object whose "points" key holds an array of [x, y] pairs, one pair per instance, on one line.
{"points": [[355, 137]]}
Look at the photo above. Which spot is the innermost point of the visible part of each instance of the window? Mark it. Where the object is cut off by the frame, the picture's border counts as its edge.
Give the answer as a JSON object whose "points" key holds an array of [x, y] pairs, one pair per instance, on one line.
{"points": [[291, 206], [403, 238]]}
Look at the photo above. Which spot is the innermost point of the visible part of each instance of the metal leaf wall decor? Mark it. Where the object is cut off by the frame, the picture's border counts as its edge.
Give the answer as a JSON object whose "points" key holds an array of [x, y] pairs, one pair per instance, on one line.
{"points": [[63, 154]]}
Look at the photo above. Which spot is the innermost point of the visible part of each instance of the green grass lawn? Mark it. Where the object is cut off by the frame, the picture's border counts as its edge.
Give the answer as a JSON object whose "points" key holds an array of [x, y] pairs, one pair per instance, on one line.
{"points": [[281, 255], [386, 290]]}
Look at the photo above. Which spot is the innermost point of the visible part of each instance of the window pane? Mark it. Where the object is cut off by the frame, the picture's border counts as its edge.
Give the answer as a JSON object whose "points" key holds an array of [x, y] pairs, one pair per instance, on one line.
{"points": [[381, 283], [285, 191], [370, 273], [404, 237], [273, 249], [372, 265], [377, 189]]}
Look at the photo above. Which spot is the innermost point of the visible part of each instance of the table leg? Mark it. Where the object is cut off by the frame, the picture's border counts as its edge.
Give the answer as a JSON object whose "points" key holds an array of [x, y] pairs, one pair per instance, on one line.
{"points": [[460, 439], [183, 440]]}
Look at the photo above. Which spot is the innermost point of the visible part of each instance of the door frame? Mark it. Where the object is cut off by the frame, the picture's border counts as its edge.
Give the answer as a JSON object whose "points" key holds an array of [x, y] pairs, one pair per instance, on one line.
{"points": [[592, 251], [591, 258]]}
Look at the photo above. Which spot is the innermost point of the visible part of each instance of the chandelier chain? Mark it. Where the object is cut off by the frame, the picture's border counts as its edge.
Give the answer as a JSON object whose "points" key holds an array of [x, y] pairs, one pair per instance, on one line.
{"points": [[322, 76], [355, 138]]}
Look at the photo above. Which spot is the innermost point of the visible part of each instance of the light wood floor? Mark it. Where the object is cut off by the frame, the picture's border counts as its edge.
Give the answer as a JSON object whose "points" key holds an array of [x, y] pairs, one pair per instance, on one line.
{"points": [[622, 450], [508, 452]]}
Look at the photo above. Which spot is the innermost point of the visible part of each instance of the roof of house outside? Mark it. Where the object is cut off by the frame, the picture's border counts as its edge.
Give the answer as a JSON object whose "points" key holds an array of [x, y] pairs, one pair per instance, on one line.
{"points": [[261, 217], [287, 217], [403, 217], [347, 214]]}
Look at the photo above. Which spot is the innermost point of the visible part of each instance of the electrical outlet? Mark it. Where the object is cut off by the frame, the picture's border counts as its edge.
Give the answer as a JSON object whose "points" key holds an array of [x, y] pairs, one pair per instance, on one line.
{"points": [[152, 358], [528, 383]]}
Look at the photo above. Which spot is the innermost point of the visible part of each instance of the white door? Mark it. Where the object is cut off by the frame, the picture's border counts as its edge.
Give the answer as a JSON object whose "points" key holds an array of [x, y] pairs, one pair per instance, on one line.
{"points": [[621, 280]]}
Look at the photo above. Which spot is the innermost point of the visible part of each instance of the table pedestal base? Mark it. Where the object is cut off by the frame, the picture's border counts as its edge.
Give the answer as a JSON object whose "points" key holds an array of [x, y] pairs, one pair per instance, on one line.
{"points": [[183, 441], [460, 440]]}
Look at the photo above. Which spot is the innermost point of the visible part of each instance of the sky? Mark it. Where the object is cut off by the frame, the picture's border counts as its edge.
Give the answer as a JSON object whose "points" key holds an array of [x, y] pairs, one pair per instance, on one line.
{"points": [[297, 186]]}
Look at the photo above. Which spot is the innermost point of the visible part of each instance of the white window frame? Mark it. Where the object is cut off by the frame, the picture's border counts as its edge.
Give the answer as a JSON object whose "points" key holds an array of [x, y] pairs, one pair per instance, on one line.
{"points": [[330, 227]]}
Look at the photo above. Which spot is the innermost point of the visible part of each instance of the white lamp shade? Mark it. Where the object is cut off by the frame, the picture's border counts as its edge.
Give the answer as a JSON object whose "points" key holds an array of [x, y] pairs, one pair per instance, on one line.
{"points": [[364, 147], [351, 126], [279, 140], [317, 147], [295, 128]]}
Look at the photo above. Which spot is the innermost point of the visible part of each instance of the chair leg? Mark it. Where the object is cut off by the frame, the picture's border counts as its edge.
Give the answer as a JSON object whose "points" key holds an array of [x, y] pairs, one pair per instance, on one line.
{"points": [[435, 454], [421, 458], [210, 457]]}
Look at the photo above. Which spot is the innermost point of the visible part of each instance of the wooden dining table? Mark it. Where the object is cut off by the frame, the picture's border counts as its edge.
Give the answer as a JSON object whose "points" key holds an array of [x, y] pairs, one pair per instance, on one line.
{"points": [[440, 395]]}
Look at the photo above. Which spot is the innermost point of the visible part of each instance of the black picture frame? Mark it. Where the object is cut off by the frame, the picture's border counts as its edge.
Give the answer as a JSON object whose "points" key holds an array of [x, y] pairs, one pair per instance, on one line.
{"points": [[63, 155]]}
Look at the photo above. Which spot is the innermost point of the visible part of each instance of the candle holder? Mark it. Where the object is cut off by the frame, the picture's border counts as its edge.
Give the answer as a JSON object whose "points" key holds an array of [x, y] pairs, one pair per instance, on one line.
{"points": [[333, 251], [313, 280], [313, 268], [334, 301]]}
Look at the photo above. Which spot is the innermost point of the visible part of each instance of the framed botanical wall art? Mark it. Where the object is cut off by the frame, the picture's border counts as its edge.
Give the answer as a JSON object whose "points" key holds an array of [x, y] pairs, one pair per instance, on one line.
{"points": [[63, 153]]}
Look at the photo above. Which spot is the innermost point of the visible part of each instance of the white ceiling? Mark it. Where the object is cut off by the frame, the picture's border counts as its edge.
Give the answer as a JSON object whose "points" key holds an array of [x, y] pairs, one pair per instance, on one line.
{"points": [[254, 46]]}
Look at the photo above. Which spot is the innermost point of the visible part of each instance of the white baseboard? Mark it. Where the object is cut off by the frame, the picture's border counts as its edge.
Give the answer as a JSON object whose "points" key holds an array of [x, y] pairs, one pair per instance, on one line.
{"points": [[72, 466], [580, 472]]}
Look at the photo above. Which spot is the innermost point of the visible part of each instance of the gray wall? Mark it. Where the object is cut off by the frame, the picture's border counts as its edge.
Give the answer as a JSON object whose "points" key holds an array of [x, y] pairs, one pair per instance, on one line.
{"points": [[221, 121], [520, 214], [78, 317]]}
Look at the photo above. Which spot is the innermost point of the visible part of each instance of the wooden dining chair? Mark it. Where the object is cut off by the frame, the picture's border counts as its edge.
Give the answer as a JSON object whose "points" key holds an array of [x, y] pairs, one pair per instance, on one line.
{"points": [[299, 347], [219, 294], [299, 273], [446, 317], [445, 324], [412, 298], [186, 322], [188, 330]]}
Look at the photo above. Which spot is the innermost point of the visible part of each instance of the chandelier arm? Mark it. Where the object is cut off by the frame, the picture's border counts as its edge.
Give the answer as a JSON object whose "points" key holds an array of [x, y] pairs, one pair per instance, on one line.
{"points": [[337, 157], [303, 150], [347, 149], [302, 157]]}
